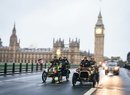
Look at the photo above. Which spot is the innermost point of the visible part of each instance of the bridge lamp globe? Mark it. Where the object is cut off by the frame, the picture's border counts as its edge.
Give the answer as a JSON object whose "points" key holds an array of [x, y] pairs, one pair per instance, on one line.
{"points": [[58, 52]]}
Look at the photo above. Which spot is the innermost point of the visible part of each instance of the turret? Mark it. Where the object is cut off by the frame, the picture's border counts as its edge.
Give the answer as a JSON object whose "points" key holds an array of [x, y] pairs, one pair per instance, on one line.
{"points": [[74, 44], [58, 43], [74, 50]]}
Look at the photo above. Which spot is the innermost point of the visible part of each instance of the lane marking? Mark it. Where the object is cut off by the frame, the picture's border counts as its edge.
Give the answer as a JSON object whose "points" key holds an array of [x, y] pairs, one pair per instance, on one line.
{"points": [[90, 91]]}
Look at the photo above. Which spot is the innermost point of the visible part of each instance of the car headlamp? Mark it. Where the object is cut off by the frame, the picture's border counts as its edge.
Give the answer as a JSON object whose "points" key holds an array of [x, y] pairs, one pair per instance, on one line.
{"points": [[106, 68], [103, 65], [116, 68]]}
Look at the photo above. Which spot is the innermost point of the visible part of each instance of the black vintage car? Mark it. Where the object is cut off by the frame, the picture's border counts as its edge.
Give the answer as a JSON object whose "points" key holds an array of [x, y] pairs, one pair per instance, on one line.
{"points": [[52, 72], [86, 74]]}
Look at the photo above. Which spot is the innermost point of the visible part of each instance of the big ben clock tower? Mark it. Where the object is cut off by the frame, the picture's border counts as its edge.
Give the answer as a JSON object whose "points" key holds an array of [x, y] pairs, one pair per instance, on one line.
{"points": [[99, 40]]}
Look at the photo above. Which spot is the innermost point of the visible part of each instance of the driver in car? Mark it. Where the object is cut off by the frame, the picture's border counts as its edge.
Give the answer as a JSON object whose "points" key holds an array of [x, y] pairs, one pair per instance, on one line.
{"points": [[54, 63], [85, 62]]}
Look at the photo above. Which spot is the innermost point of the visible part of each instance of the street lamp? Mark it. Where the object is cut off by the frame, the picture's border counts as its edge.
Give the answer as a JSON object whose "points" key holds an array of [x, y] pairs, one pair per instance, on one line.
{"points": [[58, 52]]}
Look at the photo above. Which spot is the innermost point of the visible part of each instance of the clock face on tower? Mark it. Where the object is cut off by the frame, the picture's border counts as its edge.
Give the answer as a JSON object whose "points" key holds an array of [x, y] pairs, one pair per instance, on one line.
{"points": [[98, 31]]}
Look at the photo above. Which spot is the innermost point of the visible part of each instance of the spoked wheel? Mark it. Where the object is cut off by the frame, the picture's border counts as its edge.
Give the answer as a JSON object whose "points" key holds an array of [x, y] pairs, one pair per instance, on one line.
{"points": [[81, 83], [97, 77], [59, 77], [94, 80], [94, 83], [67, 75], [106, 72], [74, 79], [44, 76]]}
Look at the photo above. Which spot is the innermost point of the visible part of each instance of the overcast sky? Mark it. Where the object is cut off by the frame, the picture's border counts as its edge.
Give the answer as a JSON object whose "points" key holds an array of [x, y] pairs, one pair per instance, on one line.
{"points": [[39, 21]]}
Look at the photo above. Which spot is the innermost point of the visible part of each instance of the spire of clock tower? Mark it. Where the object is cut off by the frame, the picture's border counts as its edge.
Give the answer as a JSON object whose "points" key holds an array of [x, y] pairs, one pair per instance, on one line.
{"points": [[99, 21]]}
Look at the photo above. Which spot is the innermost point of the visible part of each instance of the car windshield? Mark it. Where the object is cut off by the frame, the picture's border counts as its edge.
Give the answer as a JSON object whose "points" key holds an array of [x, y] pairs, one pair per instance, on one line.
{"points": [[112, 64]]}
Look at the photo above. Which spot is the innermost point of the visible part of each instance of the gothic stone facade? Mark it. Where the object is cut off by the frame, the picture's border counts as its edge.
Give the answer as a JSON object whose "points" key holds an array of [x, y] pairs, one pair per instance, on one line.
{"points": [[13, 52]]}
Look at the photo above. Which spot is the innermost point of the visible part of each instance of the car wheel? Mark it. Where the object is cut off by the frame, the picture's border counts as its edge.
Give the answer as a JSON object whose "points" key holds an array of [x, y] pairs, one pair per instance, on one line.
{"points": [[117, 73], [59, 77], [74, 79], [106, 72], [44, 76], [94, 80], [67, 75]]}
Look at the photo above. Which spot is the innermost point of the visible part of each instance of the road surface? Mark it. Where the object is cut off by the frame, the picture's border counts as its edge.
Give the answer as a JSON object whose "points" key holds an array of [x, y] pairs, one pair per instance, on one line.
{"points": [[114, 84], [31, 84]]}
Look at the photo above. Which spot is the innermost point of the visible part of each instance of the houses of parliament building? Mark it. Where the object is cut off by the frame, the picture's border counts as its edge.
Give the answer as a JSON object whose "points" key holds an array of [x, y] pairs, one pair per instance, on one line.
{"points": [[13, 52]]}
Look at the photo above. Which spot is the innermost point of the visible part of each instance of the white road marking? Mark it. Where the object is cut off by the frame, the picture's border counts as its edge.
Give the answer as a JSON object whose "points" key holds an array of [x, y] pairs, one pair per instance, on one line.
{"points": [[90, 91]]}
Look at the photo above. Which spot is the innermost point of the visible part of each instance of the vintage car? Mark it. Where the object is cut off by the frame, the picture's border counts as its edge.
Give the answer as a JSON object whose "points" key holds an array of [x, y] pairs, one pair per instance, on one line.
{"points": [[86, 74], [112, 67], [52, 72]]}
